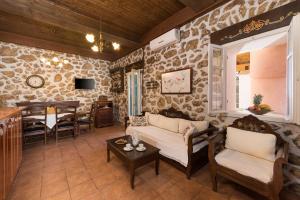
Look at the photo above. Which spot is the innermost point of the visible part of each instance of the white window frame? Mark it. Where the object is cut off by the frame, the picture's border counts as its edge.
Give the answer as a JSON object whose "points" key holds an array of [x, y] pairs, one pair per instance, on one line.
{"points": [[295, 35], [210, 100], [294, 73]]}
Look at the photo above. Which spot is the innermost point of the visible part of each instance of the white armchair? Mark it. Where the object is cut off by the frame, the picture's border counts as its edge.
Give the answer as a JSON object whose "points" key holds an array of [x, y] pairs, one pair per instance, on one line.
{"points": [[250, 153]]}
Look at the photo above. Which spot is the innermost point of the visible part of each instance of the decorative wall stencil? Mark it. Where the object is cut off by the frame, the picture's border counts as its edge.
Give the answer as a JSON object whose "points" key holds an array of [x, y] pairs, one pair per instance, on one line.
{"points": [[256, 25], [177, 82], [276, 18]]}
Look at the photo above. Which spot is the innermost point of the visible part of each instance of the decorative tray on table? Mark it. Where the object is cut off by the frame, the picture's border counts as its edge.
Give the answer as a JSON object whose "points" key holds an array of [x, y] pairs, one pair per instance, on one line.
{"points": [[121, 141]]}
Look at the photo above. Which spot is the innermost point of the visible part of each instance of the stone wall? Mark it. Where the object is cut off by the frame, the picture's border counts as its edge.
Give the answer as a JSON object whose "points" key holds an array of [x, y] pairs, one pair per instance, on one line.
{"points": [[192, 51], [18, 62]]}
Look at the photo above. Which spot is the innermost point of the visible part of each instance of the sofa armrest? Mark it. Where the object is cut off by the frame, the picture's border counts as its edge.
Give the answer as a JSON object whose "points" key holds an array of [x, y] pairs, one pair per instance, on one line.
{"points": [[126, 119], [202, 135]]}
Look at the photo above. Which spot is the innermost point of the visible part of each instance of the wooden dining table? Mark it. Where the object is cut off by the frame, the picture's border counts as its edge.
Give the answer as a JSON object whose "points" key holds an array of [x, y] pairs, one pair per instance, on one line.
{"points": [[51, 118]]}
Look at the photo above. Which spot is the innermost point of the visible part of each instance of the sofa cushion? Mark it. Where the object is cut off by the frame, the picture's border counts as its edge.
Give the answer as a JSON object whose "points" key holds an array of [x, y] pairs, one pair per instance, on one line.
{"points": [[252, 143], [163, 122], [153, 119], [251, 166], [138, 121], [189, 130], [171, 145], [170, 124], [200, 125]]}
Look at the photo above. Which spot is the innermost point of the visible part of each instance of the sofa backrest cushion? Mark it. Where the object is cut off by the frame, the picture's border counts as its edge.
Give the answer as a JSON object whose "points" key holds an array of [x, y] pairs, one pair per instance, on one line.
{"points": [[170, 124], [163, 122], [199, 125], [252, 143], [153, 119], [138, 121]]}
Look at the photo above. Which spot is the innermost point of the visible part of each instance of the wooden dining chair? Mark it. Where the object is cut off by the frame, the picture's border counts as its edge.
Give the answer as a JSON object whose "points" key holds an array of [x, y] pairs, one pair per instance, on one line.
{"points": [[86, 119], [34, 120], [66, 120]]}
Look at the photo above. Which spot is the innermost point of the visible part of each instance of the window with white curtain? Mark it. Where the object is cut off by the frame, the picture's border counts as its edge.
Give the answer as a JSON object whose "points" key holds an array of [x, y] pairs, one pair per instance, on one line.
{"points": [[134, 84], [229, 90]]}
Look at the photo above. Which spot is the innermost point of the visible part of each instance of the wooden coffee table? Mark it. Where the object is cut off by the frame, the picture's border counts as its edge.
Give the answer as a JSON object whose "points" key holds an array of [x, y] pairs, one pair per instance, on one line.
{"points": [[133, 159]]}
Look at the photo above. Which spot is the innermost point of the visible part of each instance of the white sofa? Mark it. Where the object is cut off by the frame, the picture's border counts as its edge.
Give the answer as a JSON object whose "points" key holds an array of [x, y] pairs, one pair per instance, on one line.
{"points": [[166, 133]]}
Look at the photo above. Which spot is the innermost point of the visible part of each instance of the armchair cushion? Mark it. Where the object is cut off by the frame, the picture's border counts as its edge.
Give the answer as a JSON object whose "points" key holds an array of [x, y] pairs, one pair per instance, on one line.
{"points": [[252, 143], [247, 165]]}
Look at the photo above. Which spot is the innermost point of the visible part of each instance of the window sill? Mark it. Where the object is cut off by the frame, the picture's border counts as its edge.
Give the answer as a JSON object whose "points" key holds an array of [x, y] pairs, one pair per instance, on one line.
{"points": [[270, 117]]}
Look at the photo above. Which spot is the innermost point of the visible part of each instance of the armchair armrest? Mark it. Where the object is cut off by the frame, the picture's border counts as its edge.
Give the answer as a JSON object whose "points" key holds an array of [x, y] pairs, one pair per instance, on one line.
{"points": [[215, 143]]}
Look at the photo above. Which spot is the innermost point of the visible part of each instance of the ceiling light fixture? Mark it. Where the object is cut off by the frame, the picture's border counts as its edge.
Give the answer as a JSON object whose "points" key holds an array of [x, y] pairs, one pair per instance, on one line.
{"points": [[99, 43], [54, 61], [116, 45], [95, 48], [90, 37]]}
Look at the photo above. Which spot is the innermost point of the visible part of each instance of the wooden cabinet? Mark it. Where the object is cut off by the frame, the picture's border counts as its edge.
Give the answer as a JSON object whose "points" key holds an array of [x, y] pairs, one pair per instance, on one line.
{"points": [[103, 114], [10, 147]]}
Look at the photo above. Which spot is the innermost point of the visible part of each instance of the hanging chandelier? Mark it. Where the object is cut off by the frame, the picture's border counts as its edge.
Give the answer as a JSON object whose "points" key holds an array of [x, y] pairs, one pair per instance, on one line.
{"points": [[99, 43]]}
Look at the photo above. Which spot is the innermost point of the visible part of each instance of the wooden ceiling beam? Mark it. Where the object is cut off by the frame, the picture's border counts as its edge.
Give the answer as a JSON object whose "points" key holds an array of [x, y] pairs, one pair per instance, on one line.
{"points": [[24, 31], [197, 5], [48, 12], [178, 19], [50, 45], [32, 28]]}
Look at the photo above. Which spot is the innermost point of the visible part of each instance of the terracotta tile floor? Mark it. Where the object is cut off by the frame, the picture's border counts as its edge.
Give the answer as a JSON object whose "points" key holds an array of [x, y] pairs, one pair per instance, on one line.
{"points": [[77, 169]]}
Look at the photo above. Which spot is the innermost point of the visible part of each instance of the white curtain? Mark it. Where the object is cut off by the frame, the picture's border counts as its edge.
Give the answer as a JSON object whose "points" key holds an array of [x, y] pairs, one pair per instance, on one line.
{"points": [[134, 84]]}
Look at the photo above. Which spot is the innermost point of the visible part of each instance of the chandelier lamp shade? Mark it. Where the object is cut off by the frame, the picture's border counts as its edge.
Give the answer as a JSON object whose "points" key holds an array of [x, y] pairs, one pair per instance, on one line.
{"points": [[99, 43]]}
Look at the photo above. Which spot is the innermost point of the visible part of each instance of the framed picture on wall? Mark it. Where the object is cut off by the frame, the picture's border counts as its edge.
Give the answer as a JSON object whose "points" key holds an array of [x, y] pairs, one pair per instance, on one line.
{"points": [[177, 82], [117, 80]]}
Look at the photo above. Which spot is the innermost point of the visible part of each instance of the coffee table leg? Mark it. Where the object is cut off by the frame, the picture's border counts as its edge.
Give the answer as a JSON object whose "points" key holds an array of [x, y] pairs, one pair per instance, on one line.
{"points": [[132, 173], [108, 155], [157, 165]]}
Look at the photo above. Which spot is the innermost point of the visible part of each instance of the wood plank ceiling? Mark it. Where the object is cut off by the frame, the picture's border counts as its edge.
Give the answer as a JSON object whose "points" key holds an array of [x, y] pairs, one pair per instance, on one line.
{"points": [[61, 25]]}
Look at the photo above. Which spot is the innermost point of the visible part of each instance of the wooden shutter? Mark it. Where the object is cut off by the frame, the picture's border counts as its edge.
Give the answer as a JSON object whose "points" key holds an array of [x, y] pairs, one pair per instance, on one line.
{"points": [[216, 79]]}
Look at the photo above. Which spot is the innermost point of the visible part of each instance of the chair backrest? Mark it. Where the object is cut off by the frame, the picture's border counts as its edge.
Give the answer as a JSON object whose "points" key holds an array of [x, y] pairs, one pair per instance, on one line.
{"points": [[92, 111], [251, 123], [34, 110], [48, 103], [65, 112], [32, 115]]}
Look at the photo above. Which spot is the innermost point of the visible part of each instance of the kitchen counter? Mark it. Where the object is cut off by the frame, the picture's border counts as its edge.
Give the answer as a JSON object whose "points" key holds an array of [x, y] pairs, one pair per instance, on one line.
{"points": [[10, 147]]}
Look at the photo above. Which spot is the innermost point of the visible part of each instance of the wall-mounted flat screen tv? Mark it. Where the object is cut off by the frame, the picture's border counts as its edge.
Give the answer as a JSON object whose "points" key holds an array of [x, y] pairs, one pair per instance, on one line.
{"points": [[84, 83]]}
